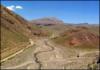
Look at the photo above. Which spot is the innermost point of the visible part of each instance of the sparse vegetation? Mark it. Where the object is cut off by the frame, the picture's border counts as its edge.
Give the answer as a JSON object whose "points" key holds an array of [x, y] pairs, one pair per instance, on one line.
{"points": [[48, 39], [79, 38], [93, 66], [14, 34], [41, 31]]}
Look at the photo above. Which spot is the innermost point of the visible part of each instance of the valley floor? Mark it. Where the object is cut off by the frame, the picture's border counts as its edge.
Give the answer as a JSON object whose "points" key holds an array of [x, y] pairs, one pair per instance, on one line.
{"points": [[46, 55]]}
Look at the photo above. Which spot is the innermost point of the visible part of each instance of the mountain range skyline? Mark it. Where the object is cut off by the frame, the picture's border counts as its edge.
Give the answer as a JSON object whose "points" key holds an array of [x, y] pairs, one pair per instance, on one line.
{"points": [[67, 11]]}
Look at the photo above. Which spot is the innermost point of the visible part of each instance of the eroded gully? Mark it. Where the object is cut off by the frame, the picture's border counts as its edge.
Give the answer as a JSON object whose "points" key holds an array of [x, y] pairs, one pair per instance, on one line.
{"points": [[39, 52]]}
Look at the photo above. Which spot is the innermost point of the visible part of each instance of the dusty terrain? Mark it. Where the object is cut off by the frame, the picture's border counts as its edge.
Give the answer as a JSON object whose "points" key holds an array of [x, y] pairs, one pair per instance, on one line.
{"points": [[46, 55], [31, 46]]}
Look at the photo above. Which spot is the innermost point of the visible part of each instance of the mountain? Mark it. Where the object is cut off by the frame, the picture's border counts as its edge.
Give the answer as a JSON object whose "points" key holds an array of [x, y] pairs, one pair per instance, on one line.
{"points": [[15, 32], [47, 21]]}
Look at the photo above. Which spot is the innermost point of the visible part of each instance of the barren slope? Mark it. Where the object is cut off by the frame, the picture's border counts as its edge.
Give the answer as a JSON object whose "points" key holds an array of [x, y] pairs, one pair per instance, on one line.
{"points": [[15, 32]]}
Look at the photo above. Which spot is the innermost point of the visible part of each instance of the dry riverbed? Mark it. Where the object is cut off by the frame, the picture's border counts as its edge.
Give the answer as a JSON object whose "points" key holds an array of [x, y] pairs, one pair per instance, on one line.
{"points": [[46, 55]]}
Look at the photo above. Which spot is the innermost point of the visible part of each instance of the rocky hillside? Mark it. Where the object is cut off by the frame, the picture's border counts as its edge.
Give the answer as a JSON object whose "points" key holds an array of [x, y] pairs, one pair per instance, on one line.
{"points": [[78, 37], [15, 32]]}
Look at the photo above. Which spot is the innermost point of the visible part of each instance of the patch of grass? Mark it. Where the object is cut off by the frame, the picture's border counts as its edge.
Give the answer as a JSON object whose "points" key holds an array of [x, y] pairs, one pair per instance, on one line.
{"points": [[11, 40], [61, 40], [88, 46], [8, 36], [93, 66]]}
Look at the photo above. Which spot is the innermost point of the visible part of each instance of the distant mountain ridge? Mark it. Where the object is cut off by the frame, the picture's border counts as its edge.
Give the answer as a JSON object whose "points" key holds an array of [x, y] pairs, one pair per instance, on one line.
{"points": [[47, 21]]}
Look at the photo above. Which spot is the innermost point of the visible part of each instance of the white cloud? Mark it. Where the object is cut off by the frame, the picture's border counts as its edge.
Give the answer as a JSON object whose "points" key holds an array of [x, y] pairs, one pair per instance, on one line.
{"points": [[13, 7], [19, 7]]}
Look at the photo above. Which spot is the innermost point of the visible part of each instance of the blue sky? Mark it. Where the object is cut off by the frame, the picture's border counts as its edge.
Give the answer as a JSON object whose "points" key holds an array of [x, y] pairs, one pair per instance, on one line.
{"points": [[68, 11]]}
